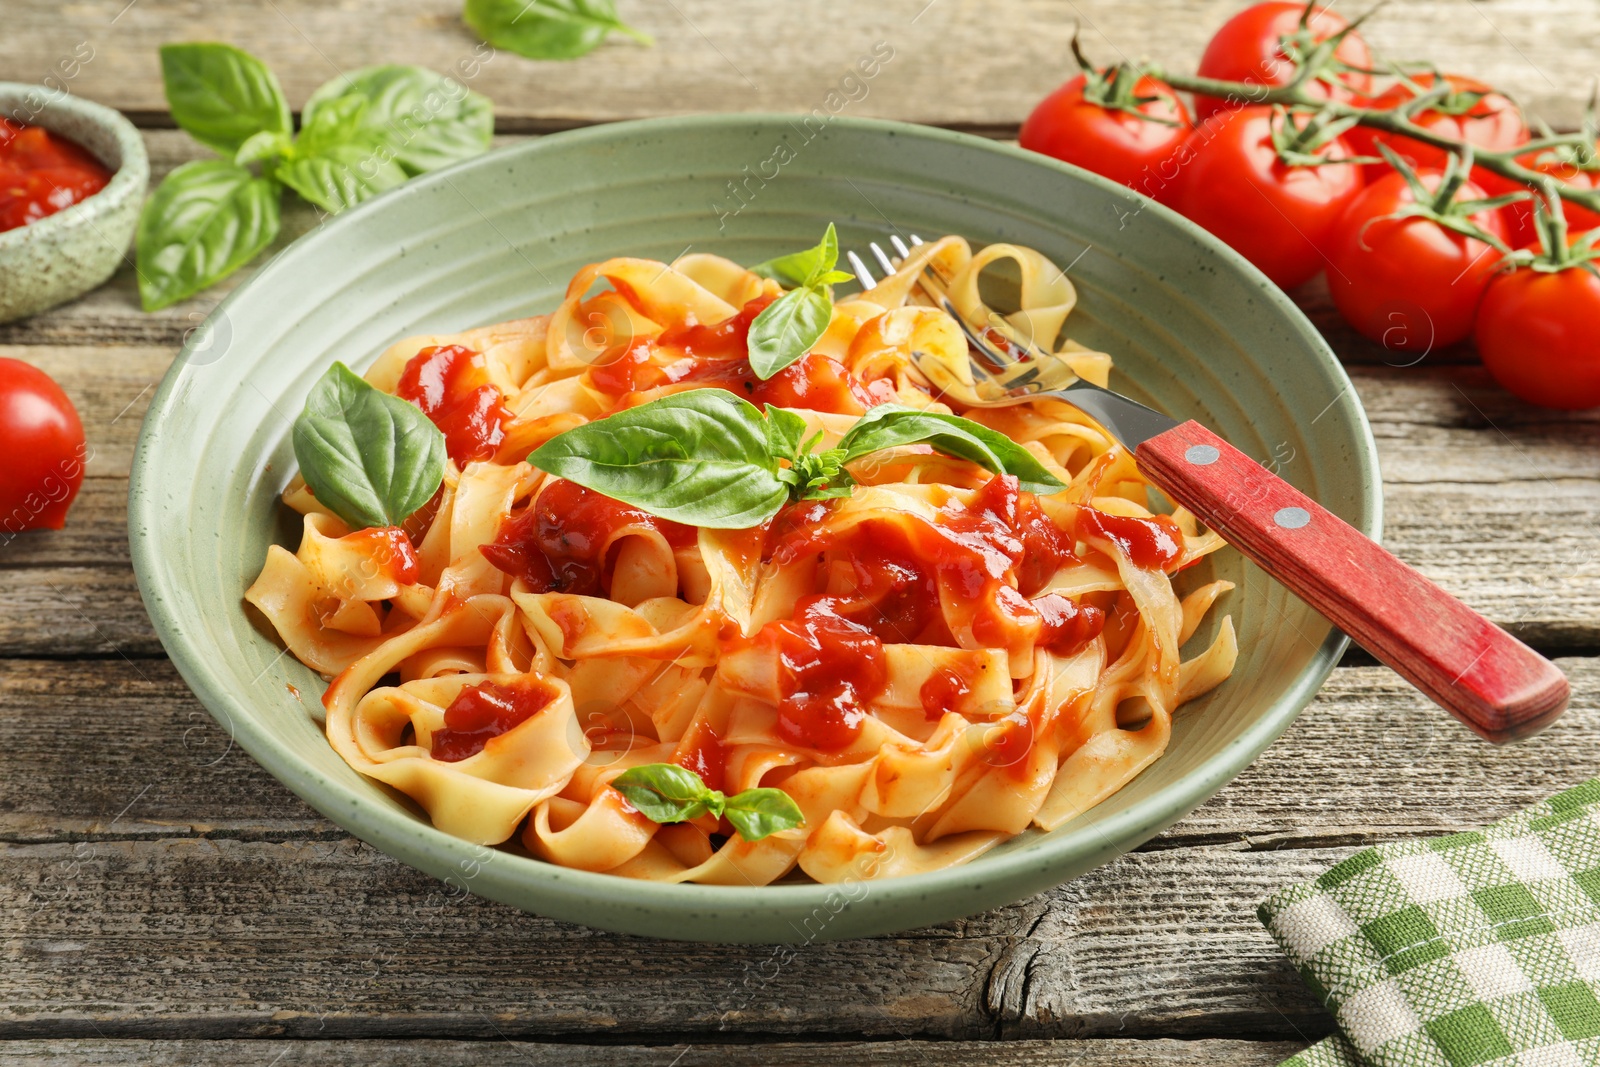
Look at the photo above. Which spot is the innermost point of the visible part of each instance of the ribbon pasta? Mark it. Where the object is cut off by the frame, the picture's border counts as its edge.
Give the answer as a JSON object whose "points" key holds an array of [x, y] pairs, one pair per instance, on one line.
{"points": [[927, 667]]}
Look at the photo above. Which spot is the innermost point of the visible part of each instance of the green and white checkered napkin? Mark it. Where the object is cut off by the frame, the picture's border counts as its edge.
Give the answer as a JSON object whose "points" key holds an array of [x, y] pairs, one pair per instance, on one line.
{"points": [[1477, 948]]}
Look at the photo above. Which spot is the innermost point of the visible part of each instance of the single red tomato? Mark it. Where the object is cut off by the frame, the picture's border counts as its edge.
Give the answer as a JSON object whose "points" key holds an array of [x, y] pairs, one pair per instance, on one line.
{"points": [[45, 450], [1536, 335], [1409, 283], [1250, 47], [1473, 112], [1080, 124], [1279, 216]]}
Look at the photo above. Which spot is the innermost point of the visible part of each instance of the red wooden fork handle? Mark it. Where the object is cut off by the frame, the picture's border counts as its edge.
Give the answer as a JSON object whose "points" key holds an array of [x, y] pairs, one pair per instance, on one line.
{"points": [[1478, 672]]}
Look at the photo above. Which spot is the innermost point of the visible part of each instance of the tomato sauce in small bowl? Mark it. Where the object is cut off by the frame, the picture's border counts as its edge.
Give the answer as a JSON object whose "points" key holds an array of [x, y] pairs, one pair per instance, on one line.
{"points": [[73, 176], [42, 172]]}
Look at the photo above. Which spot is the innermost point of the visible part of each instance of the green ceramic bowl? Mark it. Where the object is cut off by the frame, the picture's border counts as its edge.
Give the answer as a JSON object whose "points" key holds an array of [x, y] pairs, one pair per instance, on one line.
{"points": [[1193, 327], [66, 254]]}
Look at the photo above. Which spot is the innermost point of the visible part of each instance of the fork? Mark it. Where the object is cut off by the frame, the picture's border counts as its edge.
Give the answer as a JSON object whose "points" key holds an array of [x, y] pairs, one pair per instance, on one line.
{"points": [[1492, 682]]}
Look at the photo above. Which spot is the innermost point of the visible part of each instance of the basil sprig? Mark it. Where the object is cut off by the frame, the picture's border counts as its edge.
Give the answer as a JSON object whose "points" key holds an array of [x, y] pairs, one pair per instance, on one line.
{"points": [[547, 29], [371, 130], [706, 457], [665, 792], [369, 457], [362, 133], [788, 327]]}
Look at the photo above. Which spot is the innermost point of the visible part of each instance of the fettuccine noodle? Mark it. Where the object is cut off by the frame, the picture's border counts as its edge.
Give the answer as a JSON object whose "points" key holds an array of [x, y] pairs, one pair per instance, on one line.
{"points": [[927, 666]]}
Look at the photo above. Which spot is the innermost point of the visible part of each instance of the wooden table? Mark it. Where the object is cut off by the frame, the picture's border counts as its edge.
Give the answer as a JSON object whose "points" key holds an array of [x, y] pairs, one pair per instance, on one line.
{"points": [[164, 900]]}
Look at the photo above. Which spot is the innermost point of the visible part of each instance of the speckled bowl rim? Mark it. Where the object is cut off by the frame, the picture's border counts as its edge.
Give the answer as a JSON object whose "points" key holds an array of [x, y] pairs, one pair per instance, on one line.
{"points": [[566, 892], [130, 179]]}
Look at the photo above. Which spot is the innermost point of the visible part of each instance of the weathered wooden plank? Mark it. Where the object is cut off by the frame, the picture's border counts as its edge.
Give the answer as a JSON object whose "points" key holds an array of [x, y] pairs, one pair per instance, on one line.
{"points": [[773, 57], [204, 937], [74, 611], [493, 1051], [96, 534], [1371, 760], [1363, 763]]}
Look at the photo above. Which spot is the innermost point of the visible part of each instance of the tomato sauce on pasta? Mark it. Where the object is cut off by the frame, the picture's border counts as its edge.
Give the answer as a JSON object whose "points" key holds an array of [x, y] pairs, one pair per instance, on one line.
{"points": [[927, 664]]}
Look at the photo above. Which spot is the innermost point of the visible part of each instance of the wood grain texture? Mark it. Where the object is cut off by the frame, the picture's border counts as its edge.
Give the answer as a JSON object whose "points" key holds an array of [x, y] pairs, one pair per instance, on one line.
{"points": [[955, 62], [505, 1053], [218, 937]]}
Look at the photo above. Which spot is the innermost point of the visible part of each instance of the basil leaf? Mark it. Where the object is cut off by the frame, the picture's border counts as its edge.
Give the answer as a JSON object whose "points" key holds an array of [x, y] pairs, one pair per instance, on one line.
{"points": [[425, 120], [890, 425], [786, 431], [547, 29], [334, 164], [787, 328], [665, 792], [222, 95], [755, 813], [370, 458], [801, 268], [701, 457], [206, 219]]}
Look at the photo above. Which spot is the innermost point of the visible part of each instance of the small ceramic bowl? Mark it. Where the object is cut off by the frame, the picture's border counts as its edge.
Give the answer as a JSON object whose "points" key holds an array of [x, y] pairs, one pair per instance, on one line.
{"points": [[66, 254]]}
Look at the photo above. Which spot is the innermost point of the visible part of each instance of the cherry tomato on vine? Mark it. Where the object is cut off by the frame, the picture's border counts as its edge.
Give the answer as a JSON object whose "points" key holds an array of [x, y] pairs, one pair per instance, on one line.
{"points": [[1536, 335], [1410, 283], [1586, 175], [1473, 112], [1250, 48], [45, 450], [1095, 122], [1233, 180]]}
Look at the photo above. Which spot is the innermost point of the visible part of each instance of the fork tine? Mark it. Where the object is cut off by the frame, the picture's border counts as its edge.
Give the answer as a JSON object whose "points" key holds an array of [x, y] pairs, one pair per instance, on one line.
{"points": [[882, 257], [978, 345], [863, 275]]}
